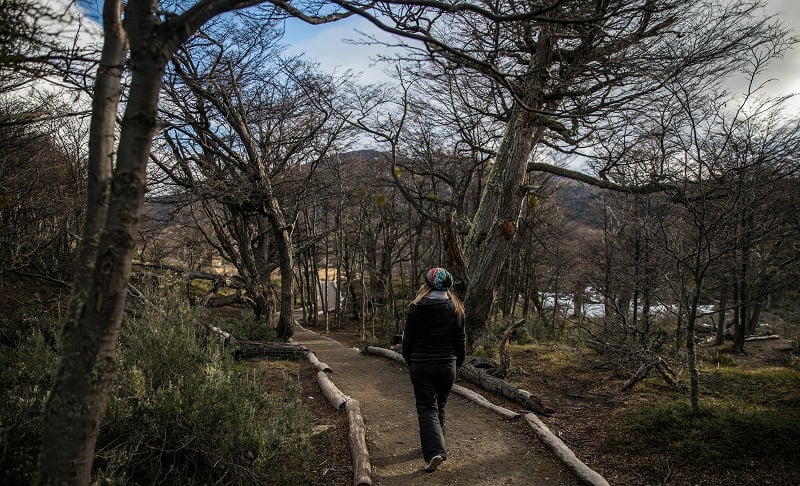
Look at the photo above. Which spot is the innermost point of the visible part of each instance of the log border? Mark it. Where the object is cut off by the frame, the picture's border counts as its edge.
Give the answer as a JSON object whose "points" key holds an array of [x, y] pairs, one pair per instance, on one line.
{"points": [[362, 469]]}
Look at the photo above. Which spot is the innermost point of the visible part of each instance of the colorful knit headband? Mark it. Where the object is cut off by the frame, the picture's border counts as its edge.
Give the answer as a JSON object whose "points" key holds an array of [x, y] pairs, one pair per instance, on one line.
{"points": [[439, 278]]}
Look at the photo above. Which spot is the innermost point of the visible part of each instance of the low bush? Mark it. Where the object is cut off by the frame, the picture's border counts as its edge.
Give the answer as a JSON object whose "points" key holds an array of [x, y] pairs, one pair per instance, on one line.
{"points": [[745, 415], [186, 413], [181, 412], [245, 326], [27, 368]]}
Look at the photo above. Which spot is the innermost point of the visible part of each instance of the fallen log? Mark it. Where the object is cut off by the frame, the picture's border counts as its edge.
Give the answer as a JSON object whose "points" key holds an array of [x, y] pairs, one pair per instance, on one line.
{"points": [[362, 470], [312, 358], [564, 454], [223, 301], [335, 397], [386, 353], [504, 389], [762, 338], [643, 372], [259, 349], [481, 400], [517, 394], [316, 363]]}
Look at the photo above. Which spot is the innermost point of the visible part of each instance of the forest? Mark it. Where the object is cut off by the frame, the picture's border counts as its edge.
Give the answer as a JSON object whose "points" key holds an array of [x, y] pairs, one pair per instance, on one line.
{"points": [[613, 184]]}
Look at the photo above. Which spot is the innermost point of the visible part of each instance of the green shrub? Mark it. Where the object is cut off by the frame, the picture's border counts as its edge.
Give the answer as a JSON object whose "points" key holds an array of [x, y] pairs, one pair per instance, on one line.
{"points": [[180, 413], [486, 351], [245, 326], [183, 413], [26, 374]]}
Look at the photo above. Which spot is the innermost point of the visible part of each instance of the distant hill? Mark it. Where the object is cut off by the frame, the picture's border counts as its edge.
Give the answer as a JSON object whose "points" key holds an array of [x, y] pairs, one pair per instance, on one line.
{"points": [[581, 203]]}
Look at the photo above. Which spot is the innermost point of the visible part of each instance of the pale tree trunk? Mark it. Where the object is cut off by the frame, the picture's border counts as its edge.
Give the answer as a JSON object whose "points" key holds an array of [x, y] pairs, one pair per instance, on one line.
{"points": [[495, 222]]}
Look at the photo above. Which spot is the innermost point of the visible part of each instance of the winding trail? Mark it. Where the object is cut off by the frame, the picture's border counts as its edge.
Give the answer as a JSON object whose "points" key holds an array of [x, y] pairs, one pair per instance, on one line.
{"points": [[483, 448]]}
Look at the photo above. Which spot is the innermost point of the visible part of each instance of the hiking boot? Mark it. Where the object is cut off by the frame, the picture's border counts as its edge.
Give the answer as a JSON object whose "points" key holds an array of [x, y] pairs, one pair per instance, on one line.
{"points": [[435, 461]]}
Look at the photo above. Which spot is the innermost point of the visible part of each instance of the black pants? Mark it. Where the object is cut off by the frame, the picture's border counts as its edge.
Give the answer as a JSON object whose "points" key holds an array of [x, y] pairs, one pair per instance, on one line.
{"points": [[432, 383]]}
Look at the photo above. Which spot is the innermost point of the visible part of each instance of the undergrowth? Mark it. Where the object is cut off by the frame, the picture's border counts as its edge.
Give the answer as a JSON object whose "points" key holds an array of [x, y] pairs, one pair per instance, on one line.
{"points": [[745, 415], [181, 412], [719, 436]]}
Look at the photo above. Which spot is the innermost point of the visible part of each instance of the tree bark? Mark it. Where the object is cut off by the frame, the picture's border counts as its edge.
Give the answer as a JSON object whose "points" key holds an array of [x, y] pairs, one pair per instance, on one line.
{"points": [[495, 221]]}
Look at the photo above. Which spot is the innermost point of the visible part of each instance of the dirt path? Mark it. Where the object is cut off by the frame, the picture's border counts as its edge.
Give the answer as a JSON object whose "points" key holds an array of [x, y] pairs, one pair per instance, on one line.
{"points": [[483, 448]]}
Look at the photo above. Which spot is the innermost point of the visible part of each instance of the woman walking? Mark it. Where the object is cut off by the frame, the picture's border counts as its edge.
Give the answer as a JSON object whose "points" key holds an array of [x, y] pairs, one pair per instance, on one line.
{"points": [[434, 348]]}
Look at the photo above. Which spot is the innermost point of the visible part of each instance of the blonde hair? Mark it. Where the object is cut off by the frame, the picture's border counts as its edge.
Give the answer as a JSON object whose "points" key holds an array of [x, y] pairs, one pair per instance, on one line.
{"points": [[426, 289]]}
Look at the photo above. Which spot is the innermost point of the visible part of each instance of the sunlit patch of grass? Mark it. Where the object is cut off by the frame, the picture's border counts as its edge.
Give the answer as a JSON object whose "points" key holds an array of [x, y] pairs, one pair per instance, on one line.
{"points": [[564, 358], [746, 415], [486, 351]]}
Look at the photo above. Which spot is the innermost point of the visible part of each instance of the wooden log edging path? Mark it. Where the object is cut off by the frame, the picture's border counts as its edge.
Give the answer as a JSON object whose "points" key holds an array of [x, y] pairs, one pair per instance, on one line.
{"points": [[581, 471], [362, 469]]}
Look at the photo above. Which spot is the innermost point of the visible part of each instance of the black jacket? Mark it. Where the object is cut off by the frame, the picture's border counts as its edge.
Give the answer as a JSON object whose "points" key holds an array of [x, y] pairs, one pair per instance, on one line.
{"points": [[433, 333]]}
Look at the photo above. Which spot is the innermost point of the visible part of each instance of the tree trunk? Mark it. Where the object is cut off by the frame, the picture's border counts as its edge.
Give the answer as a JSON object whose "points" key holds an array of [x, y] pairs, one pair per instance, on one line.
{"points": [[691, 356], [283, 242], [76, 405], [755, 316], [495, 222], [85, 373], [722, 304], [72, 412]]}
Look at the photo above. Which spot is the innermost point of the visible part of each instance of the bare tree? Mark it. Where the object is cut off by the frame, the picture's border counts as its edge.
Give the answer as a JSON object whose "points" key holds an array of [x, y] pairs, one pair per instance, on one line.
{"points": [[246, 127], [42, 191], [560, 68], [81, 388], [718, 157]]}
